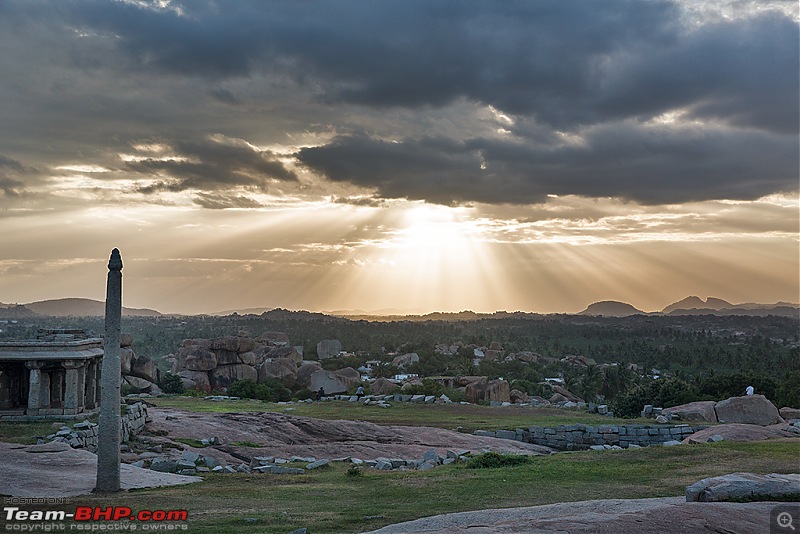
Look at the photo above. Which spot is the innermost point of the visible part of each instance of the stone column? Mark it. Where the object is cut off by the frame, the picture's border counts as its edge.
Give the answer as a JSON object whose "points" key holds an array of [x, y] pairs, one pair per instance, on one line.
{"points": [[57, 389], [5, 389], [34, 387], [91, 385], [71, 398], [44, 396], [108, 456], [81, 386]]}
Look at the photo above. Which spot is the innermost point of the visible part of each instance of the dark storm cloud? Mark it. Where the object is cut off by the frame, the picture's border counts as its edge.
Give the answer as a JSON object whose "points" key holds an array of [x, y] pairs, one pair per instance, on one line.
{"points": [[211, 165], [650, 166], [10, 170], [598, 71], [562, 61]]}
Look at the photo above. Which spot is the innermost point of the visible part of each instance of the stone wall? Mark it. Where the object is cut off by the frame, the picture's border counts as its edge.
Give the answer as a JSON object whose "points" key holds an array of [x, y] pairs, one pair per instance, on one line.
{"points": [[581, 437], [84, 434]]}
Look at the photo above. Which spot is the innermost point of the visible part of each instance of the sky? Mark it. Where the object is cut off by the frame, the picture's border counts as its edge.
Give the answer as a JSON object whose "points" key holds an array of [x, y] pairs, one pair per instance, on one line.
{"points": [[412, 156]]}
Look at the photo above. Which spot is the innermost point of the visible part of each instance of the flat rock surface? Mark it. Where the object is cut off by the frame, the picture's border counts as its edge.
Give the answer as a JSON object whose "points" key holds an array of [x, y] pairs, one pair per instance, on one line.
{"points": [[285, 435], [741, 432], [57, 470], [611, 516]]}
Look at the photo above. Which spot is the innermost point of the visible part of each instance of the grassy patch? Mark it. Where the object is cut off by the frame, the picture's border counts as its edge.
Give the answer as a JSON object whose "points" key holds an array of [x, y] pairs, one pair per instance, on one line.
{"points": [[494, 460], [26, 433], [191, 442], [247, 444], [331, 501], [451, 416]]}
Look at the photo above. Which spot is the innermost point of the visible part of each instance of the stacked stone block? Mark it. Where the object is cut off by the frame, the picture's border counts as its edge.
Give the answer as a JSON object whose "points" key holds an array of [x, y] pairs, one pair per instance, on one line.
{"points": [[581, 437], [83, 435]]}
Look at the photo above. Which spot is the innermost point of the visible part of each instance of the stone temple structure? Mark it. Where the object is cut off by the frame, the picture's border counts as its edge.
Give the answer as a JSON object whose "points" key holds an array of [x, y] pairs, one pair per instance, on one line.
{"points": [[57, 373]]}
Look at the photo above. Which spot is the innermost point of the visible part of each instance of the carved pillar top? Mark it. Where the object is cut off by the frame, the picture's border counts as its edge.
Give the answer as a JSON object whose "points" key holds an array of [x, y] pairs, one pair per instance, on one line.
{"points": [[34, 364], [115, 261], [72, 364]]}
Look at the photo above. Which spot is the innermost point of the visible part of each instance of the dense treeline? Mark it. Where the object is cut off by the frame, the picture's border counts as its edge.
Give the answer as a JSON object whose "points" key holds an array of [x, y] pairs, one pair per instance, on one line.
{"points": [[710, 355]]}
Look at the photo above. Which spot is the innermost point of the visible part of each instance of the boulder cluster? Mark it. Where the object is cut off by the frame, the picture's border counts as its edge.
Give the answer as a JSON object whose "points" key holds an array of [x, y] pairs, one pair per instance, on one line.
{"points": [[214, 364], [139, 372], [748, 409]]}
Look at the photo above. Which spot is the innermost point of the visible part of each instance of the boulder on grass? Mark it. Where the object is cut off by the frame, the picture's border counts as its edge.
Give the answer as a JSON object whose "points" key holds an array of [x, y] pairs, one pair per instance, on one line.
{"points": [[789, 413], [749, 409], [694, 411], [498, 391], [327, 380], [304, 373], [739, 487], [382, 386]]}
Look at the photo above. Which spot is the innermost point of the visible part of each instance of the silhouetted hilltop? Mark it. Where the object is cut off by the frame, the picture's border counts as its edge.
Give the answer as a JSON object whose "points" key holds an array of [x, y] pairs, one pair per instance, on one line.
{"points": [[611, 308]]}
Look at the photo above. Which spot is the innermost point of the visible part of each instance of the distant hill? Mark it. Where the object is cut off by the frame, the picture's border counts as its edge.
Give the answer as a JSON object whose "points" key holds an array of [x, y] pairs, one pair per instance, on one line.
{"points": [[16, 311], [81, 308], [694, 305], [692, 302], [242, 311], [611, 308]]}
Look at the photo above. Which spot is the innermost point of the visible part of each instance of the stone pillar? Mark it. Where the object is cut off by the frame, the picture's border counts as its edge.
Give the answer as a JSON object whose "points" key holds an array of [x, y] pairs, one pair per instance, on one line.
{"points": [[91, 385], [5, 389], [81, 386], [44, 396], [34, 387], [57, 389], [108, 457], [71, 398]]}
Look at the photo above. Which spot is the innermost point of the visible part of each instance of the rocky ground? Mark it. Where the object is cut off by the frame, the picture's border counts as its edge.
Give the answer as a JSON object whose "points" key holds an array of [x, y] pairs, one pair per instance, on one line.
{"points": [[58, 470], [284, 436], [632, 516]]}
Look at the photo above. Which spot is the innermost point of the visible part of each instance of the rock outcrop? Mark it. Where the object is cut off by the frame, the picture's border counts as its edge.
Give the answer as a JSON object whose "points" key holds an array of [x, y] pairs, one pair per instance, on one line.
{"points": [[744, 486], [750, 409], [138, 372], [405, 360], [209, 364], [328, 348], [383, 386], [487, 390]]}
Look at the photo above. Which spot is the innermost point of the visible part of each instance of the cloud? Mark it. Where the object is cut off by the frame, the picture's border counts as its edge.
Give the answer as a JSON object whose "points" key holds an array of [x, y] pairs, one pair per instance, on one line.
{"points": [[211, 165], [627, 160], [220, 202], [659, 101], [563, 62]]}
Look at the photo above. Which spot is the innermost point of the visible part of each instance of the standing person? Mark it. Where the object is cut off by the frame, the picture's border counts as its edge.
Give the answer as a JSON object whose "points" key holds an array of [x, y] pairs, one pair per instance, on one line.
{"points": [[320, 393], [750, 390], [360, 392]]}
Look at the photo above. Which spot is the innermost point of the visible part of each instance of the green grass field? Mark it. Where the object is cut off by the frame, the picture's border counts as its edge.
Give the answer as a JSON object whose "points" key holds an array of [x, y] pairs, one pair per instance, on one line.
{"points": [[327, 500]]}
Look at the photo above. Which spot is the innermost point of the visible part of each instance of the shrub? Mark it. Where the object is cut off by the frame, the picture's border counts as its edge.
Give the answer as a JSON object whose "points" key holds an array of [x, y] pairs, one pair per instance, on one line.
{"points": [[303, 394], [268, 391], [788, 392], [354, 471], [492, 460], [664, 393], [172, 384]]}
